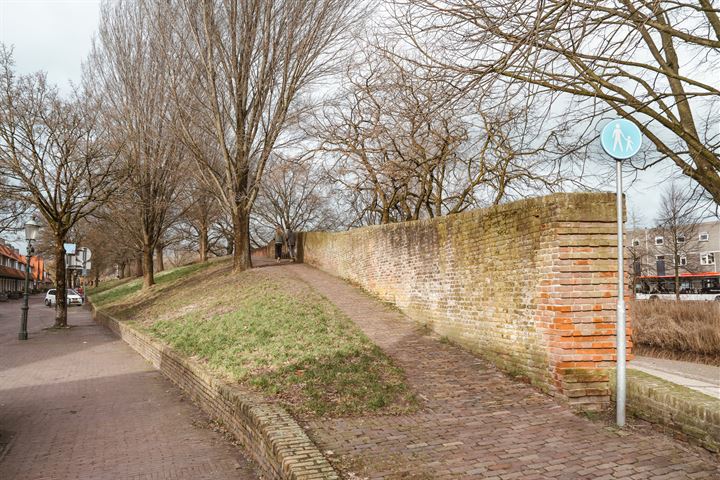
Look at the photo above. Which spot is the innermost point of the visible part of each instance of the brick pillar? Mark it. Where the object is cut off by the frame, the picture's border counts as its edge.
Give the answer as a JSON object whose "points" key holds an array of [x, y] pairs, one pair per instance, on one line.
{"points": [[580, 295]]}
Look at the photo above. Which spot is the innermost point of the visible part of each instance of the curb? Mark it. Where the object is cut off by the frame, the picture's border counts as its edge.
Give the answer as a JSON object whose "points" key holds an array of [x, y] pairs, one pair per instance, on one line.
{"points": [[274, 440], [682, 411]]}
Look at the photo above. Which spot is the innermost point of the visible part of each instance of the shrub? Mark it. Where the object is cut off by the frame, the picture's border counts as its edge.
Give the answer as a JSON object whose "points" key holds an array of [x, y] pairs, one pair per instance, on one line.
{"points": [[683, 330]]}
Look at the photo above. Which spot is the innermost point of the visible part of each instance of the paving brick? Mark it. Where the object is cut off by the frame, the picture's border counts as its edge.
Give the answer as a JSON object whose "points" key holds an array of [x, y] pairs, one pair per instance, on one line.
{"points": [[498, 427], [82, 405]]}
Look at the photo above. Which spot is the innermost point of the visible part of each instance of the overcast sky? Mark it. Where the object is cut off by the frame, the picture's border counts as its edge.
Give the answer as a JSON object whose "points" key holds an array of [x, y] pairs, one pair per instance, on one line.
{"points": [[56, 36], [50, 35]]}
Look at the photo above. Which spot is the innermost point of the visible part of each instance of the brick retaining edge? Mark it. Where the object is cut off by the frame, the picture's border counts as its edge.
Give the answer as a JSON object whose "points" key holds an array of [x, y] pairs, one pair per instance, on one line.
{"points": [[270, 435], [686, 413]]}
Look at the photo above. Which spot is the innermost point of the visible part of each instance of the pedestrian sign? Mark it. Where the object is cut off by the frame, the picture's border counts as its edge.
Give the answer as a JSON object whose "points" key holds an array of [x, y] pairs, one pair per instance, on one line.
{"points": [[621, 139]]}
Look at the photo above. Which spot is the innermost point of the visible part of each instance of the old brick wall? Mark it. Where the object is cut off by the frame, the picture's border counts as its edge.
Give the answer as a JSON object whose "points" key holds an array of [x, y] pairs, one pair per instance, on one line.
{"points": [[531, 284]]}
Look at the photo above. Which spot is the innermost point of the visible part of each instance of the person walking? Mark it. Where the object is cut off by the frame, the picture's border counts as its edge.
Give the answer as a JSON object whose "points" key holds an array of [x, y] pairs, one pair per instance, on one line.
{"points": [[279, 237], [291, 241]]}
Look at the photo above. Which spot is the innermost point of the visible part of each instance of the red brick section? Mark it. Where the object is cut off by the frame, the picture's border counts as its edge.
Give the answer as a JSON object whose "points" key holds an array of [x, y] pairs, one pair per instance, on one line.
{"points": [[476, 422], [80, 404], [530, 284], [270, 435]]}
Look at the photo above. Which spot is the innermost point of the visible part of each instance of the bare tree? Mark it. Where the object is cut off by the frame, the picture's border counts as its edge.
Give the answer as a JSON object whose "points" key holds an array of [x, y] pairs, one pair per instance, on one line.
{"points": [[11, 211], [126, 68], [244, 66], [201, 211], [650, 62], [407, 145], [111, 247], [53, 157], [637, 248], [677, 225], [294, 195]]}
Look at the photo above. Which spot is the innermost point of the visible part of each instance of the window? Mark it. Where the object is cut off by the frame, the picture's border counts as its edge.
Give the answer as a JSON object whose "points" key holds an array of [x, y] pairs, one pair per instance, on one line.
{"points": [[681, 238], [636, 243], [659, 240], [660, 257], [704, 236], [707, 259], [683, 261]]}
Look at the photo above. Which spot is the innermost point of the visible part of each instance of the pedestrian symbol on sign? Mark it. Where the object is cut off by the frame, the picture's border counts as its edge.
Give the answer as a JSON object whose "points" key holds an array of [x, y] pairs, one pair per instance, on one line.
{"points": [[621, 139]]}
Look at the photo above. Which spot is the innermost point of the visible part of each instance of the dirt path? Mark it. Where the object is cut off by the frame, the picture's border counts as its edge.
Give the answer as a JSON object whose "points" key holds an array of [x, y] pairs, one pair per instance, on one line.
{"points": [[476, 422]]}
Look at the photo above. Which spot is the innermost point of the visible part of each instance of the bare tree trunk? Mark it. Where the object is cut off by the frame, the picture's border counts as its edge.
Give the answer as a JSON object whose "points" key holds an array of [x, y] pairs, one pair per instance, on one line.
{"points": [[241, 241], [147, 266], [203, 243], [60, 285], [139, 266], [160, 258]]}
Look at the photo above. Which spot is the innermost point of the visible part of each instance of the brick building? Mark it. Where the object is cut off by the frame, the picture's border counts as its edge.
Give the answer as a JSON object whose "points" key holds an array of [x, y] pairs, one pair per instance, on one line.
{"points": [[12, 270], [651, 250]]}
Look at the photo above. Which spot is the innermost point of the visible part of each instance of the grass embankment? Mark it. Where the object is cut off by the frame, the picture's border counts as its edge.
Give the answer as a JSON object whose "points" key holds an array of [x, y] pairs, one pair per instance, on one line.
{"points": [[679, 330], [267, 331]]}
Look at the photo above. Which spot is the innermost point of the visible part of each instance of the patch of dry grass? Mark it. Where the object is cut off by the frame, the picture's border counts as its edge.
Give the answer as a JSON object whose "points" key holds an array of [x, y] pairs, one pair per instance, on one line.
{"points": [[680, 330]]}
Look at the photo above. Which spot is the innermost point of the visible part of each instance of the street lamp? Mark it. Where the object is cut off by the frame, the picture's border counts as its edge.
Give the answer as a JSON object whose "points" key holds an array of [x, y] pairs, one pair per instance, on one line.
{"points": [[31, 230]]}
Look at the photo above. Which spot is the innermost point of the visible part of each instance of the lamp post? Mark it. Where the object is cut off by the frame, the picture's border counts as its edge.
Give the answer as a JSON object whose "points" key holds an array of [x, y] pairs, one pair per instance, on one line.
{"points": [[31, 230]]}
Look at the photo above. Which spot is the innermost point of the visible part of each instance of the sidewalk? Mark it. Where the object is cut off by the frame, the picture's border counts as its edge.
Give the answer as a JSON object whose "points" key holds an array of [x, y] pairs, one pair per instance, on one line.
{"points": [[703, 378], [80, 404], [476, 422]]}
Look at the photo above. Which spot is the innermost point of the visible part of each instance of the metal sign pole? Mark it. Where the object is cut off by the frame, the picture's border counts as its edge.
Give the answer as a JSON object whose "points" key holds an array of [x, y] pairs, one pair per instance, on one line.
{"points": [[620, 311], [621, 139]]}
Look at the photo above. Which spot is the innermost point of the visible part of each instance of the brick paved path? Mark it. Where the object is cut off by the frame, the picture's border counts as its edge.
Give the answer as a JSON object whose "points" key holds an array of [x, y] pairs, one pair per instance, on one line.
{"points": [[82, 405], [477, 423]]}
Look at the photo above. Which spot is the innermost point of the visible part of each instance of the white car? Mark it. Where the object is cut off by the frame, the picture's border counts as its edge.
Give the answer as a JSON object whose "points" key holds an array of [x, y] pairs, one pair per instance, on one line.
{"points": [[72, 298]]}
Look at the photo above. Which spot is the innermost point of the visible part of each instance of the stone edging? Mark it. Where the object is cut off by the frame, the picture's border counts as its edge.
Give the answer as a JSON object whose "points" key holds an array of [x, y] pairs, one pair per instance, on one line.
{"points": [[681, 410], [270, 435]]}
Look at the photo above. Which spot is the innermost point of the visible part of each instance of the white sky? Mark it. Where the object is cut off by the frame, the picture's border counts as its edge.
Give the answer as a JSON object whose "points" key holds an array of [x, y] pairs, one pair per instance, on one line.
{"points": [[55, 36], [50, 35]]}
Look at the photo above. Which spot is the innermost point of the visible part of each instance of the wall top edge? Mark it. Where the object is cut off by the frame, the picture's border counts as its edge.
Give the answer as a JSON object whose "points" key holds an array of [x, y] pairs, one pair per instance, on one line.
{"points": [[556, 207]]}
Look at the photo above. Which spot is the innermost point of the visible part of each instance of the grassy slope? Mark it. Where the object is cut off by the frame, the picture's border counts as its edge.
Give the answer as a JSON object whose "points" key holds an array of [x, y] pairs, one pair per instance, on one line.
{"points": [[266, 331]]}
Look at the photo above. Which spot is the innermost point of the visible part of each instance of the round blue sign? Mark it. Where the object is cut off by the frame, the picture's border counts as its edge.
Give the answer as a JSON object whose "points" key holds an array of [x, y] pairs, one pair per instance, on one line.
{"points": [[621, 139]]}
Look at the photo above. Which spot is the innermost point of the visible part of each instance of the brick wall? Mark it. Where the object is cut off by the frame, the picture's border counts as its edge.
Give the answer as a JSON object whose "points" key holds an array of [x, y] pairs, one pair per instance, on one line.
{"points": [[531, 285], [269, 434]]}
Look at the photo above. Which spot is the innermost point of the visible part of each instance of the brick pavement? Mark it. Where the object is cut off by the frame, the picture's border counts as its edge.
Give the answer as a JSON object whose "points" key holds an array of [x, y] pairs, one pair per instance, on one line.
{"points": [[80, 404], [476, 422]]}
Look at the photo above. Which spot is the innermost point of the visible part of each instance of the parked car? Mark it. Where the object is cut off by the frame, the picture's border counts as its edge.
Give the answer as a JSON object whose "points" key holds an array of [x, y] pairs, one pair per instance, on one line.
{"points": [[72, 298]]}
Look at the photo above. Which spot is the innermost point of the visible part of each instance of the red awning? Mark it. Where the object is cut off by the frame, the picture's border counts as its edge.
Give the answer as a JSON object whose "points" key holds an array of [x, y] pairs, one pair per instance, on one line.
{"points": [[7, 272], [684, 275]]}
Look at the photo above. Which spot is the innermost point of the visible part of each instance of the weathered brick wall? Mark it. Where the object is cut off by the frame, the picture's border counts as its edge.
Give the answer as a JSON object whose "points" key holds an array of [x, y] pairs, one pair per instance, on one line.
{"points": [[270, 435], [530, 284]]}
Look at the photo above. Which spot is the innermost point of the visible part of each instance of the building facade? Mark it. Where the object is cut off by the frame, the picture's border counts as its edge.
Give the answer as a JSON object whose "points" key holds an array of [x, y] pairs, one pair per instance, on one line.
{"points": [[12, 270], [655, 251]]}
